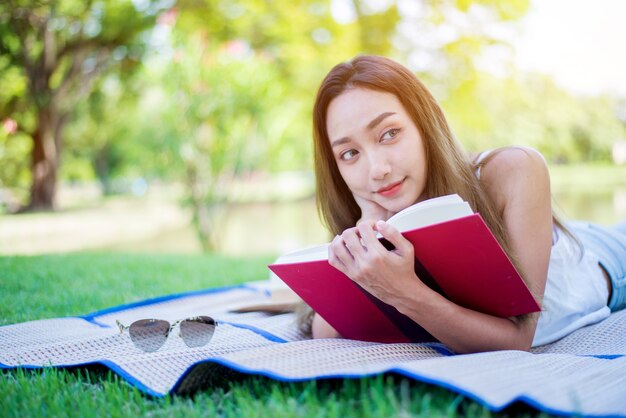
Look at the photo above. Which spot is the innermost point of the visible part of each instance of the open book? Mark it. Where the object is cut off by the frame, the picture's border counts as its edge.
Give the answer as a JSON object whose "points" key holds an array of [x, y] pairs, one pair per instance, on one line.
{"points": [[455, 254]]}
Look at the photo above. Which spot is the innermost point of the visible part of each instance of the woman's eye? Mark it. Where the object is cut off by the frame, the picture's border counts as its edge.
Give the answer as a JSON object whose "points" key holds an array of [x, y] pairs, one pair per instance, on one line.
{"points": [[390, 134], [348, 155]]}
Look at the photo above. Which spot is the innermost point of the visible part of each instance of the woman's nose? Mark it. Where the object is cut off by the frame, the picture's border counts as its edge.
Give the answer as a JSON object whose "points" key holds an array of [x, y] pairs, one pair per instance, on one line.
{"points": [[379, 167]]}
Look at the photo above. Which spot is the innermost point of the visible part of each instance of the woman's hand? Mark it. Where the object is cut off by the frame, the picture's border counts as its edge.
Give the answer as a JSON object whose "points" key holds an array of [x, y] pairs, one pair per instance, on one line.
{"points": [[371, 211], [385, 274]]}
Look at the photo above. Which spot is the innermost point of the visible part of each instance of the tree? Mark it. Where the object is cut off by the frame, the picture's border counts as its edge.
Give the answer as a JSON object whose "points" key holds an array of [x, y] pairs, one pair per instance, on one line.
{"points": [[61, 48], [238, 90], [213, 117]]}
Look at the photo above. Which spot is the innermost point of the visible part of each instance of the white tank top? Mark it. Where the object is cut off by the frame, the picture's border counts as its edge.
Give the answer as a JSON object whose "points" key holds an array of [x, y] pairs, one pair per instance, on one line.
{"points": [[576, 293]]}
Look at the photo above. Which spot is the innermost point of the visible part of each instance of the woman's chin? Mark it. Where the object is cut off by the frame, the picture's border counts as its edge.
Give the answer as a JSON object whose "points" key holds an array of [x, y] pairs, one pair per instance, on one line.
{"points": [[396, 206]]}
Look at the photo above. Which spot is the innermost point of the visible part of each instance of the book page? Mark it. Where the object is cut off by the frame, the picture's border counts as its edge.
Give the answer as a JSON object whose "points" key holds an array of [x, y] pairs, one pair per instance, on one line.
{"points": [[427, 212], [432, 211], [316, 252], [423, 205], [430, 215]]}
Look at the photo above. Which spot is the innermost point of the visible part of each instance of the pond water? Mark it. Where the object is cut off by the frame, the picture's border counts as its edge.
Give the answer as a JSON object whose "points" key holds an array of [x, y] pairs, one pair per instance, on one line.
{"points": [[605, 206], [274, 228]]}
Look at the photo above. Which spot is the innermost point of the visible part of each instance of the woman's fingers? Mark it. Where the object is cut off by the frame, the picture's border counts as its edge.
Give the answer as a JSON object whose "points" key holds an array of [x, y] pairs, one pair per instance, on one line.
{"points": [[338, 255], [358, 250], [352, 240], [346, 250], [368, 237], [394, 236]]}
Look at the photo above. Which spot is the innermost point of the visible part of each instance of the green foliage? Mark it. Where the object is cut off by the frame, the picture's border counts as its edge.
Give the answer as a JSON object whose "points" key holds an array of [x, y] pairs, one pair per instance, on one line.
{"points": [[217, 105], [55, 51], [216, 112], [15, 147], [227, 90], [227, 86], [101, 142], [490, 112], [234, 97], [14, 164], [58, 46]]}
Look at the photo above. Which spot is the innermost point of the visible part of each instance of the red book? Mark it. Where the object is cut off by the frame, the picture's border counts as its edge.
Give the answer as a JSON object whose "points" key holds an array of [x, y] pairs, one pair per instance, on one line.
{"points": [[455, 254]]}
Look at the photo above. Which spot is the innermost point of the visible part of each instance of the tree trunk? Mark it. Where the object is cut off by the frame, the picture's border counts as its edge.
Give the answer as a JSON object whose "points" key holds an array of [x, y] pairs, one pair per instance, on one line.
{"points": [[45, 160]]}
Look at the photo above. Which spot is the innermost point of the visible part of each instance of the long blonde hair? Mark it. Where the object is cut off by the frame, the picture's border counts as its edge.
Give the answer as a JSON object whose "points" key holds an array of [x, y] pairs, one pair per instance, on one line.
{"points": [[449, 167]]}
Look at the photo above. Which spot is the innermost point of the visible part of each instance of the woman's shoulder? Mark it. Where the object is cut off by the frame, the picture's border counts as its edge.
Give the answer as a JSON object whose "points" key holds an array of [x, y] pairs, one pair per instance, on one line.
{"points": [[503, 163], [515, 171]]}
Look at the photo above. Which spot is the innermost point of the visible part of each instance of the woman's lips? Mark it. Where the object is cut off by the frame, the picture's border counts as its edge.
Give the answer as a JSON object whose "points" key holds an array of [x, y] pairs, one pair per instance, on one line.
{"points": [[390, 190]]}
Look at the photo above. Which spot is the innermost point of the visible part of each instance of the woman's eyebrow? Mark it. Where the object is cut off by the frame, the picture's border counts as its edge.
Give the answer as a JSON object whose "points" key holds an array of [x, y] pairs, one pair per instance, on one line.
{"points": [[339, 141], [378, 119], [374, 122]]}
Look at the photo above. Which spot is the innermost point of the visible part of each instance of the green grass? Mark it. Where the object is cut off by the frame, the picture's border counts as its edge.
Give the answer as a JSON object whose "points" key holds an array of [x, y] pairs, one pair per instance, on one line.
{"points": [[62, 285]]}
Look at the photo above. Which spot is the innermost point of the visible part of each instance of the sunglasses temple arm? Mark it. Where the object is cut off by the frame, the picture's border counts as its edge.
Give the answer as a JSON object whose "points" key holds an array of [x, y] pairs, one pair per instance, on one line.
{"points": [[121, 326]]}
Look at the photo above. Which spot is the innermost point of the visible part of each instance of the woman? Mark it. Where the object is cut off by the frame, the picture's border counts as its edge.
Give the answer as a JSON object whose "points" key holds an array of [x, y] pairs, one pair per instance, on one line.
{"points": [[382, 143]]}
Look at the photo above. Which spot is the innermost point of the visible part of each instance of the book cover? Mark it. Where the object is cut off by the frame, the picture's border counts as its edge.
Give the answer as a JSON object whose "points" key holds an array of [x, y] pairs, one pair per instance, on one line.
{"points": [[460, 258]]}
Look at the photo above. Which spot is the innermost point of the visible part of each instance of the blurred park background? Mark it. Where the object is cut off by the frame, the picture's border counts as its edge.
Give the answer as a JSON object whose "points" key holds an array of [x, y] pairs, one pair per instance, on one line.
{"points": [[184, 125]]}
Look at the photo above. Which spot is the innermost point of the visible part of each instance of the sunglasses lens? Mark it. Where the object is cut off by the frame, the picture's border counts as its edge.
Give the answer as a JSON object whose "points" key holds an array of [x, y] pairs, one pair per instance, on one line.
{"points": [[198, 331], [149, 334]]}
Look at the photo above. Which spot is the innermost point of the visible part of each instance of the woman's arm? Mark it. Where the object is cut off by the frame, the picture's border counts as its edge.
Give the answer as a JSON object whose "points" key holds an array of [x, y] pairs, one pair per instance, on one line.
{"points": [[517, 180], [322, 329]]}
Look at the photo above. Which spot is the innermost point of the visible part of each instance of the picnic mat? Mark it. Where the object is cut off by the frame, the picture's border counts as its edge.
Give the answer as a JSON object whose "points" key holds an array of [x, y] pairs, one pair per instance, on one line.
{"points": [[584, 373]]}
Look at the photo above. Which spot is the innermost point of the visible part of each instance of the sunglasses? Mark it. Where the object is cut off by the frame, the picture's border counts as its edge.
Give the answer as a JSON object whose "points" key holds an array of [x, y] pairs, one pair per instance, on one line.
{"points": [[150, 334]]}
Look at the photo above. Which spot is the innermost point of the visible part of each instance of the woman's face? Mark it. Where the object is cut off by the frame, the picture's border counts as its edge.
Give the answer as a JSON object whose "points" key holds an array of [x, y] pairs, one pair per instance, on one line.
{"points": [[378, 148]]}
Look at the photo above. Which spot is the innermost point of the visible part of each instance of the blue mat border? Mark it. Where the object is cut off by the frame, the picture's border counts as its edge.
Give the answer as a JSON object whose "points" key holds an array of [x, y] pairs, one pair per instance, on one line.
{"points": [[416, 376], [254, 372], [91, 317], [131, 380]]}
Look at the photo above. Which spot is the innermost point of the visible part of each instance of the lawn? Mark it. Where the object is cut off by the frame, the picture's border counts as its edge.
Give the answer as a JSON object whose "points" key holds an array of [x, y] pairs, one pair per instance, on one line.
{"points": [[63, 285]]}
